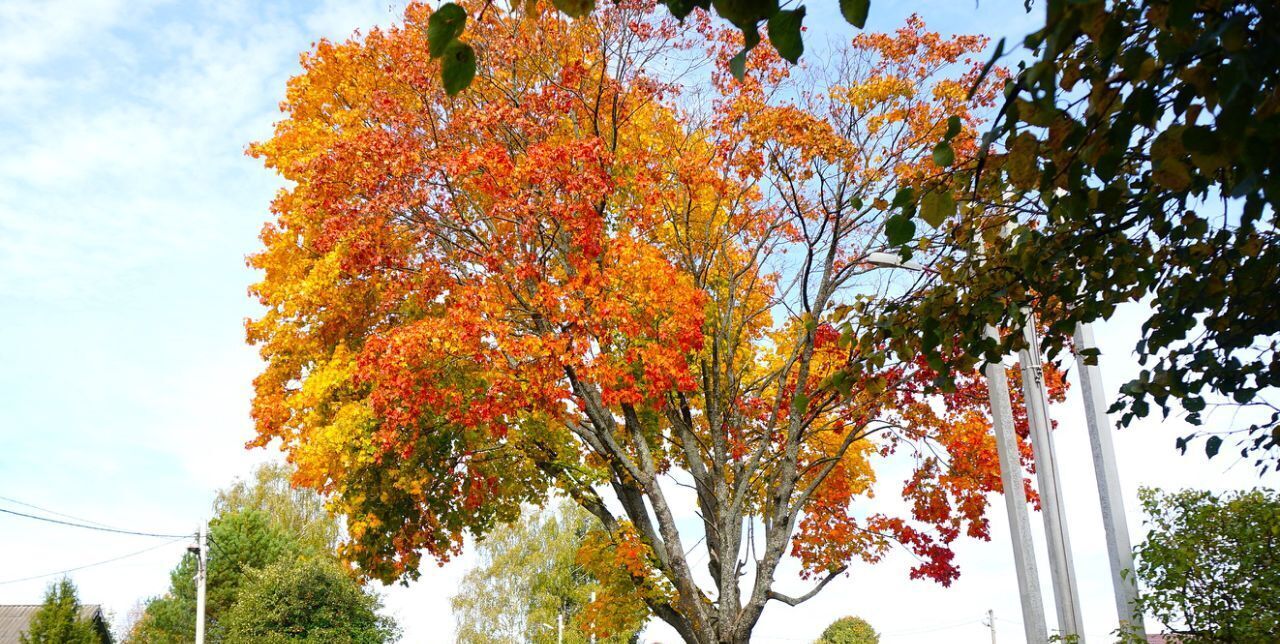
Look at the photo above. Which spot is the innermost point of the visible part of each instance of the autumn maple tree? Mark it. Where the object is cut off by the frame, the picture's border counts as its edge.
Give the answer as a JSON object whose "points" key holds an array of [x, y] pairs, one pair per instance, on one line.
{"points": [[591, 276]]}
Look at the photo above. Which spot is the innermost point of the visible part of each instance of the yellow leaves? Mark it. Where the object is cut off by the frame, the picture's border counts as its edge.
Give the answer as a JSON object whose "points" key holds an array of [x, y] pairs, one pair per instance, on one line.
{"points": [[874, 92], [1167, 154], [1021, 163], [625, 568]]}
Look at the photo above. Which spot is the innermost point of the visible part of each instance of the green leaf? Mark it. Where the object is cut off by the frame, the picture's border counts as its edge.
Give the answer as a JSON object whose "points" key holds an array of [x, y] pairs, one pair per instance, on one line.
{"points": [[443, 27], [899, 229], [855, 11], [1212, 446], [903, 197], [457, 67], [682, 8], [953, 127], [738, 64], [745, 13], [800, 404], [943, 155], [575, 8], [784, 33], [936, 206]]}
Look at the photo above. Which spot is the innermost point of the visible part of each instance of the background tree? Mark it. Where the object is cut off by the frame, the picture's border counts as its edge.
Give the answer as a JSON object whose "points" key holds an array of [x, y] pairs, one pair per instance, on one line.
{"points": [[244, 539], [305, 600], [297, 511], [528, 577], [58, 620], [849, 630], [1209, 565], [566, 280]]}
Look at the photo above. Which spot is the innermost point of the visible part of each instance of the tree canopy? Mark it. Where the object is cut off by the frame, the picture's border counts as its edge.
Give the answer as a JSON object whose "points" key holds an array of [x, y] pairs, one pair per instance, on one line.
{"points": [[310, 600], [568, 280], [258, 526], [849, 630], [535, 575], [1134, 161], [1208, 566], [58, 620]]}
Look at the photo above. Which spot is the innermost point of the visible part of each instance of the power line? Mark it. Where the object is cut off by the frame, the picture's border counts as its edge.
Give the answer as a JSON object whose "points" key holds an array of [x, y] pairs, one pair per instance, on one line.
{"points": [[93, 527], [932, 629], [99, 563], [53, 512]]}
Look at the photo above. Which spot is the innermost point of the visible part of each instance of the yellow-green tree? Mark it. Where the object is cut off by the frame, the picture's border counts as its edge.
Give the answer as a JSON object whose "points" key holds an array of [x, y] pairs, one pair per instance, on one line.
{"points": [[58, 620], [528, 583]]}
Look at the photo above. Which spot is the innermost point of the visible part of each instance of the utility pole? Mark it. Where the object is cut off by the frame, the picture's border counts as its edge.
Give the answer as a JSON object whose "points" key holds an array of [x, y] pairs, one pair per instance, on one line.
{"points": [[593, 625], [1015, 501], [991, 623], [202, 574], [1065, 593], [1119, 549]]}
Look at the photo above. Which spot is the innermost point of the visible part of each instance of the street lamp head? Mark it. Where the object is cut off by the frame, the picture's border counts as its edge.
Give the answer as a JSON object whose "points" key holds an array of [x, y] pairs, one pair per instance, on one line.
{"points": [[892, 260]]}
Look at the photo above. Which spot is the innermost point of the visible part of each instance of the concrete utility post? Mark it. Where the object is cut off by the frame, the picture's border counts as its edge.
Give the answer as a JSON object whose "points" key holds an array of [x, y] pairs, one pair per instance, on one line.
{"points": [[593, 626], [202, 574], [1015, 502], [1015, 498], [1119, 549], [1065, 592]]}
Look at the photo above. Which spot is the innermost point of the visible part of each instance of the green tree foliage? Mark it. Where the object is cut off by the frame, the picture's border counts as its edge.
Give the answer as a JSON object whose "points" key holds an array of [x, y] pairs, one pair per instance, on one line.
{"points": [[1137, 159], [1210, 565], [305, 600], [849, 630], [257, 525], [58, 620], [526, 577], [240, 542], [298, 511]]}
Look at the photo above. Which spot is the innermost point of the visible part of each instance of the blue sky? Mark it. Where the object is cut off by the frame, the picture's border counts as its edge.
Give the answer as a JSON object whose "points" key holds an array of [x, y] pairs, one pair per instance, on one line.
{"points": [[126, 210]]}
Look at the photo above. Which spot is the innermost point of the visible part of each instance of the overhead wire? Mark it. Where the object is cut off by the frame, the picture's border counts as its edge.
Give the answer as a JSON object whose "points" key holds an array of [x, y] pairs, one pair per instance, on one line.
{"points": [[932, 629], [91, 565], [100, 528], [53, 512]]}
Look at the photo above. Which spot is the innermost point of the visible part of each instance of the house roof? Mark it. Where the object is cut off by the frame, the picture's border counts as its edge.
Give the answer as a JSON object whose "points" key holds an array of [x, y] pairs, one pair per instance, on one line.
{"points": [[14, 619]]}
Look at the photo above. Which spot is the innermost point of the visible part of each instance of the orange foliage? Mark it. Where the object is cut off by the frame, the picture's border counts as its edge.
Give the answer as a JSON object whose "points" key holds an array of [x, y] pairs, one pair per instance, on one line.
{"points": [[567, 280]]}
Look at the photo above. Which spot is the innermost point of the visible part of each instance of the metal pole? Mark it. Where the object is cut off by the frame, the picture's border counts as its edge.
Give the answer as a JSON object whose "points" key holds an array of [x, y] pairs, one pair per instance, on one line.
{"points": [[991, 623], [1065, 593], [1015, 501], [1119, 549], [202, 572]]}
